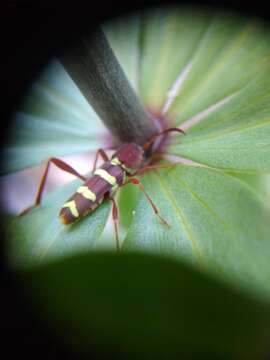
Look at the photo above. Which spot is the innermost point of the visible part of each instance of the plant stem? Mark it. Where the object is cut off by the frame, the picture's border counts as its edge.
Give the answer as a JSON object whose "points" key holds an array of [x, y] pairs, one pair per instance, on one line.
{"points": [[94, 68]]}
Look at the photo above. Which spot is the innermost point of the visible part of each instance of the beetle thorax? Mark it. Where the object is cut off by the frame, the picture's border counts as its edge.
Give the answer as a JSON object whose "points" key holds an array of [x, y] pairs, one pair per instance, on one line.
{"points": [[130, 155]]}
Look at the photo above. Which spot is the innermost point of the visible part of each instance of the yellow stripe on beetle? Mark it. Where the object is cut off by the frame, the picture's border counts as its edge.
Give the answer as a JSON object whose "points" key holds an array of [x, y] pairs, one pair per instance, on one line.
{"points": [[114, 188], [87, 193], [115, 161], [72, 207], [105, 176]]}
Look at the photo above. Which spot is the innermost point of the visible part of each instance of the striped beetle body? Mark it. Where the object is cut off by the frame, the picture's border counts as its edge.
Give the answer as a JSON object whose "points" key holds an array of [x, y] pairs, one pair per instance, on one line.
{"points": [[129, 160], [104, 182]]}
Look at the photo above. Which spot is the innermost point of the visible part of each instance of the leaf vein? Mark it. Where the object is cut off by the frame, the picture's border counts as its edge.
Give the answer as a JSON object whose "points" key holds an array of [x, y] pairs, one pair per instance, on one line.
{"points": [[225, 133], [181, 217]]}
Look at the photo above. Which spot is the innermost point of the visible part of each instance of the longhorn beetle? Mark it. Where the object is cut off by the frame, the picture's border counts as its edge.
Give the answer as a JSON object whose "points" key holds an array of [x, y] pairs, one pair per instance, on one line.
{"points": [[129, 160]]}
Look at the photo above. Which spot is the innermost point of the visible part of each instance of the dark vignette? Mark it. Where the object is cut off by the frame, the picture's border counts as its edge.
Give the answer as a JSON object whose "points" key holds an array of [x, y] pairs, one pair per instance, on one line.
{"points": [[31, 33]]}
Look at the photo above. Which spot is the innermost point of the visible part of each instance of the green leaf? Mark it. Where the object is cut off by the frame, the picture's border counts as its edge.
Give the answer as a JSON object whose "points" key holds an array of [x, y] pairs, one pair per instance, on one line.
{"points": [[39, 236], [213, 77], [180, 69], [221, 54], [169, 39], [236, 136], [212, 80], [217, 223], [127, 201], [55, 120], [232, 52], [144, 307]]}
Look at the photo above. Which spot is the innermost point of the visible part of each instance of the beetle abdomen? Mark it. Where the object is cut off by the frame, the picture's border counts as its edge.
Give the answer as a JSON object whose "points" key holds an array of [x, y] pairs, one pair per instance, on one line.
{"points": [[90, 195]]}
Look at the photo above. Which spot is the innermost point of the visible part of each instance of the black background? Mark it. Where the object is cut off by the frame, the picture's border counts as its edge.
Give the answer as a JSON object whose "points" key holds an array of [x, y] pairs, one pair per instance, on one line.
{"points": [[30, 33]]}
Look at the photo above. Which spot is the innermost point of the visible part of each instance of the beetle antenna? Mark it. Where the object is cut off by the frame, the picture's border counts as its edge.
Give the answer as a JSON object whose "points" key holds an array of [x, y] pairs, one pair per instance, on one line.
{"points": [[154, 137]]}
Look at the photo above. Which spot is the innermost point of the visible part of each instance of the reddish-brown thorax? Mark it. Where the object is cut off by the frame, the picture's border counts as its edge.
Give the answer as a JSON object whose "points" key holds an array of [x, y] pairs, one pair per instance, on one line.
{"points": [[130, 155]]}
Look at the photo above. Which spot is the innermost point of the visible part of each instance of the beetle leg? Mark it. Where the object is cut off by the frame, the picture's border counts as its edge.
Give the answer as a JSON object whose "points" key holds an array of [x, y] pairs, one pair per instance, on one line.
{"points": [[61, 165], [151, 168], [137, 182], [104, 156], [115, 221]]}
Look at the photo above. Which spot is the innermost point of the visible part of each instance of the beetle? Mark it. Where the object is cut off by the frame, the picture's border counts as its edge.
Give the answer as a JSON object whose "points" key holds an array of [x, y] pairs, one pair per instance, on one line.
{"points": [[129, 160]]}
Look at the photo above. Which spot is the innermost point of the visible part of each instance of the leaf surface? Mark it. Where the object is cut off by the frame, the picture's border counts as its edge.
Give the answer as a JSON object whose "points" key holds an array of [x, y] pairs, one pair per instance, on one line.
{"points": [[55, 120], [236, 136], [39, 236], [212, 80], [217, 223]]}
